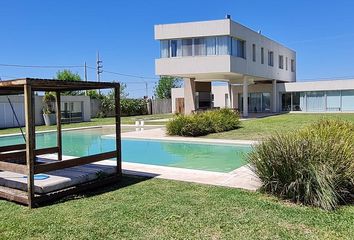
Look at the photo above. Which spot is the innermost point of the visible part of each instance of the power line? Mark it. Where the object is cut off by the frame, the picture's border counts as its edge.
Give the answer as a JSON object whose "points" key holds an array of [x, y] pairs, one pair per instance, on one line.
{"points": [[40, 66], [75, 66], [125, 75]]}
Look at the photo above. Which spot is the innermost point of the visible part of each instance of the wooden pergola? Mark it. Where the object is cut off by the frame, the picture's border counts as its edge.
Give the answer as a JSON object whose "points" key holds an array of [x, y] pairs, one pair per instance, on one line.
{"points": [[22, 158]]}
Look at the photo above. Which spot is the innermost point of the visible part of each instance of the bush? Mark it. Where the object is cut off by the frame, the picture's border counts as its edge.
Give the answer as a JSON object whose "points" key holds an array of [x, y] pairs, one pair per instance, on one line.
{"points": [[128, 106], [313, 166], [132, 107], [200, 124]]}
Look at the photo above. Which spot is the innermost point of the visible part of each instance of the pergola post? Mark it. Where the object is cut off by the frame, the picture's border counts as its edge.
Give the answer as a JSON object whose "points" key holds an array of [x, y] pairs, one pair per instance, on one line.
{"points": [[59, 135], [118, 130], [30, 142]]}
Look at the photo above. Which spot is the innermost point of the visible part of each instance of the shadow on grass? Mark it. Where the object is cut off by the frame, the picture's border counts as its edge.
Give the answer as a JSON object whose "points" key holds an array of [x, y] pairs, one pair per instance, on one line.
{"points": [[125, 181]]}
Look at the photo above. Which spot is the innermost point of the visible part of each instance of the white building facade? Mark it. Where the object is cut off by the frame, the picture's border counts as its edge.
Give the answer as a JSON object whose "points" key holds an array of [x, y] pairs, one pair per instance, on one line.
{"points": [[317, 96], [223, 50]]}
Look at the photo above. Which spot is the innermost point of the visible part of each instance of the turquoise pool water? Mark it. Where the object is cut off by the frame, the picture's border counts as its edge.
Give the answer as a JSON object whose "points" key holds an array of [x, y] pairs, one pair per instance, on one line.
{"points": [[201, 156]]}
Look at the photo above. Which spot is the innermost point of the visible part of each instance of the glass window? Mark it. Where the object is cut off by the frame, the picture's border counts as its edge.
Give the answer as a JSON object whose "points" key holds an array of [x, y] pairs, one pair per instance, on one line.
{"points": [[199, 47], [241, 52], [210, 46], [227, 100], [271, 58], [255, 102], [176, 48], [265, 102], [281, 62], [187, 47], [286, 102], [262, 55], [333, 101], [164, 47], [292, 65], [223, 45], [286, 63], [298, 101], [315, 102], [254, 52], [348, 100]]}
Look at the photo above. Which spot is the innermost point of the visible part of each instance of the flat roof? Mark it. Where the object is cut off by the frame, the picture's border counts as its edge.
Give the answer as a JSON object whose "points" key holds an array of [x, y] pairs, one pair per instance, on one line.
{"points": [[16, 86]]}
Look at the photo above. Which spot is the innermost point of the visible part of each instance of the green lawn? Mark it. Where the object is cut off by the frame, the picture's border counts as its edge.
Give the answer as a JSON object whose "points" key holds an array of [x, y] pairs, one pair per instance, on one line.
{"points": [[257, 129], [98, 122], [163, 209]]}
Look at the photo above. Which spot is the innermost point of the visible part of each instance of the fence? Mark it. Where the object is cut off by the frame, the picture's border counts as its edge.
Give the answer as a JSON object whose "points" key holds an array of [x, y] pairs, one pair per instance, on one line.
{"points": [[159, 106]]}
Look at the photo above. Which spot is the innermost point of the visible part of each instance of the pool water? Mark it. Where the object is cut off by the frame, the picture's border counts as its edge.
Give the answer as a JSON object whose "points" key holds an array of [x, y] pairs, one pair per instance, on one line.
{"points": [[201, 156]]}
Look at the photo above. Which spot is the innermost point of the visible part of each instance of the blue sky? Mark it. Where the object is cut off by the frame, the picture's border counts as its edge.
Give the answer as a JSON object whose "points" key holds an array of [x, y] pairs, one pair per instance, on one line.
{"points": [[70, 33]]}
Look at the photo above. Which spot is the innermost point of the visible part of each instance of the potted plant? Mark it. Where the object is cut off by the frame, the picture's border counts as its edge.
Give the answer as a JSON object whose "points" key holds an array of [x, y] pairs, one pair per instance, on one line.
{"points": [[48, 109]]}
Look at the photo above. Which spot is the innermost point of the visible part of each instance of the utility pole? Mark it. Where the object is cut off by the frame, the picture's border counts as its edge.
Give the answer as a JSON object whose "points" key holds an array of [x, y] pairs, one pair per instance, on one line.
{"points": [[99, 67], [85, 77], [146, 90]]}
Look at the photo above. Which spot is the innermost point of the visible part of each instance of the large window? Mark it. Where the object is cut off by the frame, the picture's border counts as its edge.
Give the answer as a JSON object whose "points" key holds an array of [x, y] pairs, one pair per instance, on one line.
{"points": [[165, 48], [203, 46], [262, 55], [223, 45], [348, 100], [254, 52], [286, 102], [257, 102], [333, 101], [210, 46], [176, 48], [315, 102], [187, 47], [199, 47]]}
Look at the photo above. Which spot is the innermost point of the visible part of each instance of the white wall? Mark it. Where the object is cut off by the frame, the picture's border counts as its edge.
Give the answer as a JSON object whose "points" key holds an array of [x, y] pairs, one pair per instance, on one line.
{"points": [[8, 120], [176, 93], [224, 67]]}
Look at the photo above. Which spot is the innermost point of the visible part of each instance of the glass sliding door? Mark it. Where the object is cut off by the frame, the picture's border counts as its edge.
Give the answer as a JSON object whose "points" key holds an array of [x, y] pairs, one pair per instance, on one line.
{"points": [[298, 101], [265, 102], [348, 100], [333, 101], [315, 102], [286, 102]]}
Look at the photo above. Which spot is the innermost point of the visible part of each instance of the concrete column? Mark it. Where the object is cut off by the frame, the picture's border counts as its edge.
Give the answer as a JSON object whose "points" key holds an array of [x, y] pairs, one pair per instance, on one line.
{"points": [[245, 97], [189, 95], [231, 104], [274, 97]]}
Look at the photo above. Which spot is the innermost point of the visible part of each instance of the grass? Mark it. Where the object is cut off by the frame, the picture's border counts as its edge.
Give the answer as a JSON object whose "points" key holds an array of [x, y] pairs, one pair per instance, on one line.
{"points": [[97, 122], [258, 129], [164, 209]]}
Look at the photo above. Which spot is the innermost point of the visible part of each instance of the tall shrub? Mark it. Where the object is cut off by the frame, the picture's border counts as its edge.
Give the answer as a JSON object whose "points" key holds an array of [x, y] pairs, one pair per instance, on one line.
{"points": [[313, 166], [200, 124]]}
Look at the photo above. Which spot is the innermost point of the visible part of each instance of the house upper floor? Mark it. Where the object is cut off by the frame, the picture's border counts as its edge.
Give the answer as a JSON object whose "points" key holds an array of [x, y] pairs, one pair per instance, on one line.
{"points": [[221, 49]]}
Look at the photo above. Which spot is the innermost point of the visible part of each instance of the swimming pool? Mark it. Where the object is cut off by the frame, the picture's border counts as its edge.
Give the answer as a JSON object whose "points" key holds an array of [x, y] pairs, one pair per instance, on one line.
{"points": [[201, 156]]}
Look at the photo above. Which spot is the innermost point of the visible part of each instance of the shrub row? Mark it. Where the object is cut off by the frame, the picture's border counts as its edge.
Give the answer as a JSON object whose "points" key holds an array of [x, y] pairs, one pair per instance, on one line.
{"points": [[313, 166], [200, 124]]}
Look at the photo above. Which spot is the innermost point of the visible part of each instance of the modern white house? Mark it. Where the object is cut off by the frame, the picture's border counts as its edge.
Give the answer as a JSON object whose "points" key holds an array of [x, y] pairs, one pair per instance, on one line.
{"points": [[260, 73]]}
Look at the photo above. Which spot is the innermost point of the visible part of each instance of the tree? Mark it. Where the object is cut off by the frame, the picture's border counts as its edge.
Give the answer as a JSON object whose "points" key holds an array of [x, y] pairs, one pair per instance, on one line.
{"points": [[67, 75], [164, 85]]}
